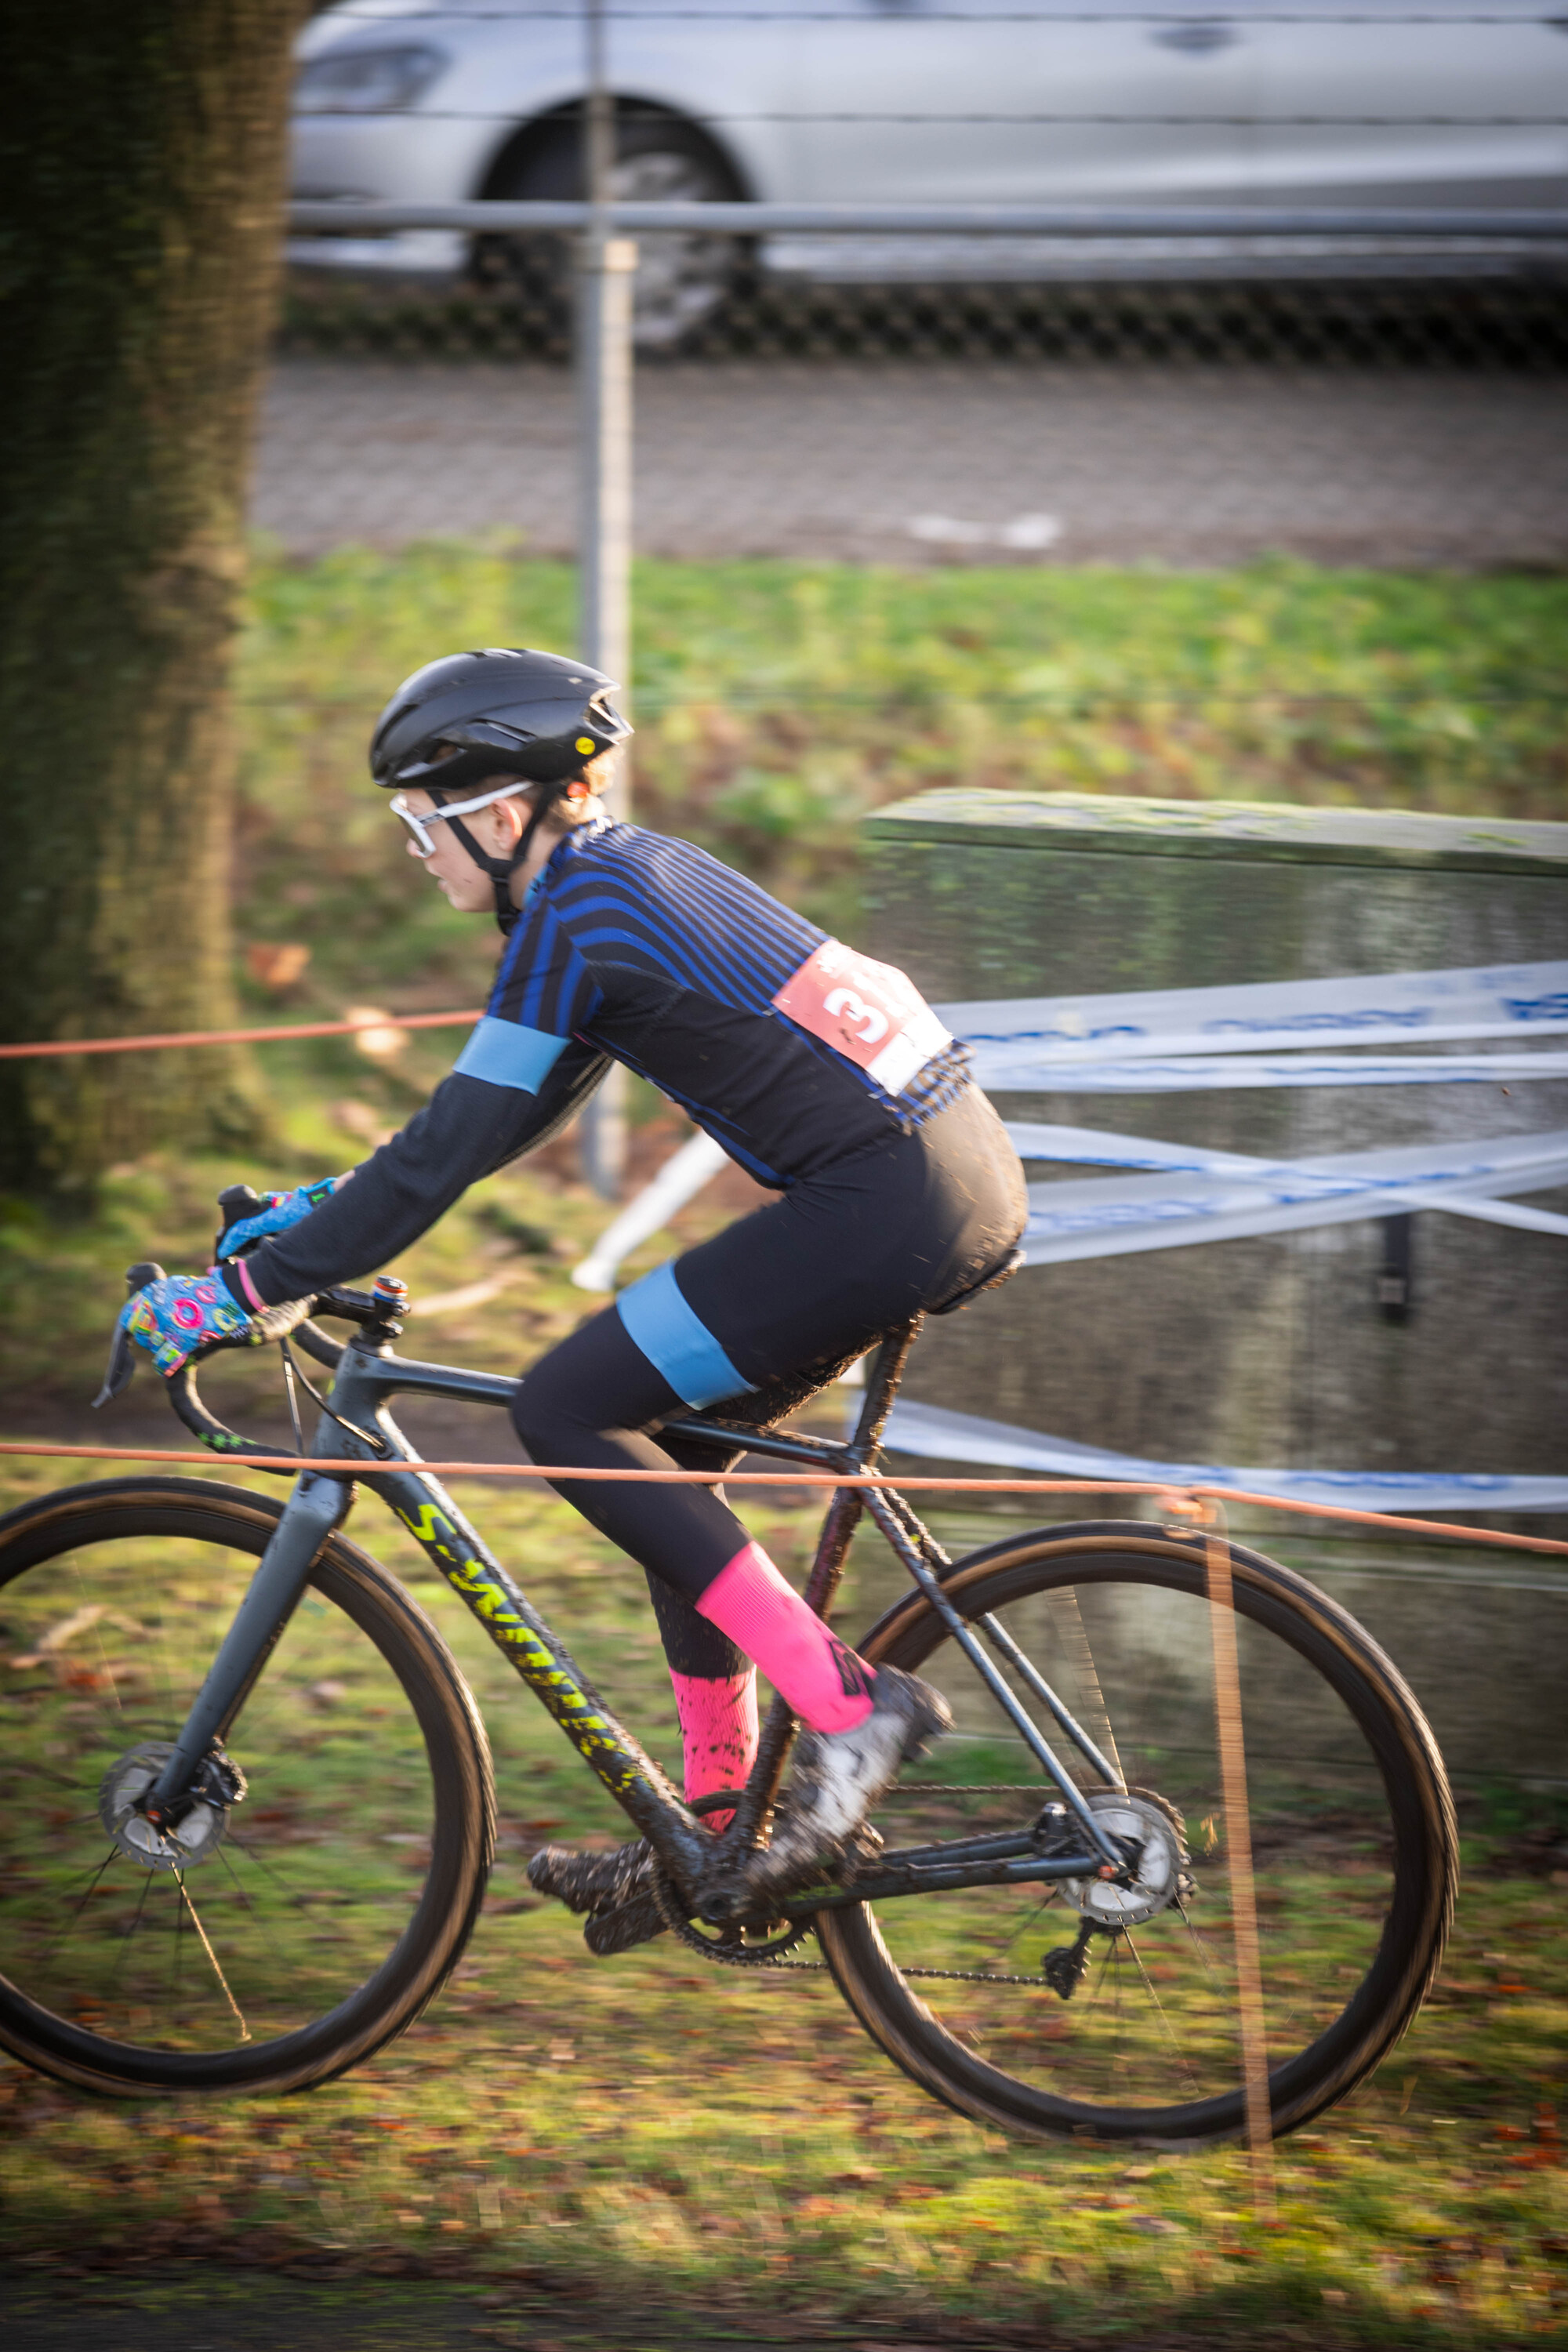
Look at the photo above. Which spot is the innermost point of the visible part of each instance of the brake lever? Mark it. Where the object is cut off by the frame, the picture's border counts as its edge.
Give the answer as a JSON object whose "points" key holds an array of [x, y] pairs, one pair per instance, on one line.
{"points": [[121, 1354], [237, 1201]]}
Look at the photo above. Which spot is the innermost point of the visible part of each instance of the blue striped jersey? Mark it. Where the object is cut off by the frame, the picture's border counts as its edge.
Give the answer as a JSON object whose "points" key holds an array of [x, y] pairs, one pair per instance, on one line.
{"points": [[642, 948]]}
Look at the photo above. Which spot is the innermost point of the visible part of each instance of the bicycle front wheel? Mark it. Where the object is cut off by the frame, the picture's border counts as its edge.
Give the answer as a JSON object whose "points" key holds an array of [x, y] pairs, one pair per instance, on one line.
{"points": [[1047, 2009], [309, 1917]]}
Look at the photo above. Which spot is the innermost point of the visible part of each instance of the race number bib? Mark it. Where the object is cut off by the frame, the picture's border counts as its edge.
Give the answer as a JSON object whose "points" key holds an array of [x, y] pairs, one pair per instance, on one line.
{"points": [[865, 1011]]}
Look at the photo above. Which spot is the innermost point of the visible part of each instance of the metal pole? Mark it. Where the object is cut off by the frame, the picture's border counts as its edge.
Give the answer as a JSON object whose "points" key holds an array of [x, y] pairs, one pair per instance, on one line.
{"points": [[1238, 1861], [606, 270]]}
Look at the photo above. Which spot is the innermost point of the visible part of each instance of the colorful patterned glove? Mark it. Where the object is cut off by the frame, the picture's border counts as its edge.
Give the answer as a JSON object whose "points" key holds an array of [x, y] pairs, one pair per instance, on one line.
{"points": [[277, 1212], [172, 1318]]}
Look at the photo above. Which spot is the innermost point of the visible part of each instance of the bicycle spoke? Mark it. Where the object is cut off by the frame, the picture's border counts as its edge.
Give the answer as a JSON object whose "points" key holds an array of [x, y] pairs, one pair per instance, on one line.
{"points": [[212, 1956], [240, 1892], [1172, 2042], [63, 1933], [1081, 1657], [1024, 1924], [126, 1939]]}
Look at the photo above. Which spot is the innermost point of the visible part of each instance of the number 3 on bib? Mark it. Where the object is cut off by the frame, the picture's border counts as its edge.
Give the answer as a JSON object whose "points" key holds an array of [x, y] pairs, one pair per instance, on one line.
{"points": [[868, 1012]]}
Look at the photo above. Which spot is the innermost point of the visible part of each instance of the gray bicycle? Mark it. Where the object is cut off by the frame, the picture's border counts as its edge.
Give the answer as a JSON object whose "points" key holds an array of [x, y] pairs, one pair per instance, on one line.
{"points": [[207, 1851]]}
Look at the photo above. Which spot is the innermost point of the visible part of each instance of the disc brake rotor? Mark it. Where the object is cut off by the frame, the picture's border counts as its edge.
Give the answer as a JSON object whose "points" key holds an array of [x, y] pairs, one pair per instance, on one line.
{"points": [[1161, 1878], [179, 1845]]}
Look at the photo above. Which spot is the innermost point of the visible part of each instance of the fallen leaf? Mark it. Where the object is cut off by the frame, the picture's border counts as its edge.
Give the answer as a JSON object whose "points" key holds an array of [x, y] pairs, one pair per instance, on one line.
{"points": [[276, 963]]}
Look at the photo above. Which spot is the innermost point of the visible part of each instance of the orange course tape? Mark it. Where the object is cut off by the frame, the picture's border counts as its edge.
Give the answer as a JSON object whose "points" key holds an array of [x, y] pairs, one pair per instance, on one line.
{"points": [[41, 1051], [1445, 1529]]}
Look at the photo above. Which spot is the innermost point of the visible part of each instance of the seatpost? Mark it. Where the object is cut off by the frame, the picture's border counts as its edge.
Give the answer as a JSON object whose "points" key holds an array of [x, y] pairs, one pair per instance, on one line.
{"points": [[882, 1381]]}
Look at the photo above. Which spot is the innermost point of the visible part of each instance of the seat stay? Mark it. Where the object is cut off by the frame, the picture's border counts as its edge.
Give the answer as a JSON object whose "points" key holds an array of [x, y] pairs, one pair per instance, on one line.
{"points": [[884, 1511]]}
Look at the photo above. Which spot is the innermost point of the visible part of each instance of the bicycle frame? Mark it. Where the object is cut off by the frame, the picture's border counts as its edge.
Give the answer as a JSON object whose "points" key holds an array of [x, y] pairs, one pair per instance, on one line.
{"points": [[358, 1424]]}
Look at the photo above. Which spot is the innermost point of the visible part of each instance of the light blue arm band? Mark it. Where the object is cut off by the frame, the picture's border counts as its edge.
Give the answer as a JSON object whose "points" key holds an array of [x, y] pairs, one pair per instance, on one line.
{"points": [[676, 1341], [506, 1055]]}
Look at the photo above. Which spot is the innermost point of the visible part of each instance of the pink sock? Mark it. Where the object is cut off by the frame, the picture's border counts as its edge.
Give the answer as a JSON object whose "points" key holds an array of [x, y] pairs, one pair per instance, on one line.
{"points": [[719, 1733], [828, 1685]]}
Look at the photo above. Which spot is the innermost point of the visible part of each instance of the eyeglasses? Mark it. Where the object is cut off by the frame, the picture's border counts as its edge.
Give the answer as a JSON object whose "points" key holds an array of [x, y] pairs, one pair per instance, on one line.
{"points": [[416, 827]]}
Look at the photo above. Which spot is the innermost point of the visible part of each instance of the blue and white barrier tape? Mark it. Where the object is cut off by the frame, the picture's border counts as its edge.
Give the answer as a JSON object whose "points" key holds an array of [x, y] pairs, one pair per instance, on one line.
{"points": [[1203, 1073], [935, 1434], [1202, 1196], [1096, 1042]]}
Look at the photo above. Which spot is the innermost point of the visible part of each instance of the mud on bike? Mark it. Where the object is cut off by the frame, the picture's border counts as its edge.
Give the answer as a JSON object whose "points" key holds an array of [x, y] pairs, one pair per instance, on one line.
{"points": [[206, 1876]]}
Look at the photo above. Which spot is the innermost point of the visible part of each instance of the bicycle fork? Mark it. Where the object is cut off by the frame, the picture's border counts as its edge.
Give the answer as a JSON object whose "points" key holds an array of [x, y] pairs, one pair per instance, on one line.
{"points": [[315, 1507]]}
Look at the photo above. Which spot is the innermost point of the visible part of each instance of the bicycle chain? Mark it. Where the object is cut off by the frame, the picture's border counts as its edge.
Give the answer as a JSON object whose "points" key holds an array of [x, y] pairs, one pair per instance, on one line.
{"points": [[737, 1956], [948, 1976], [971, 1789]]}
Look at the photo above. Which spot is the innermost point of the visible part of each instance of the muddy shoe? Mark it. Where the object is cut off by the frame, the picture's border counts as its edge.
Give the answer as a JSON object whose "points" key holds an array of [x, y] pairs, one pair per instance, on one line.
{"points": [[592, 1882], [838, 1776], [637, 1922]]}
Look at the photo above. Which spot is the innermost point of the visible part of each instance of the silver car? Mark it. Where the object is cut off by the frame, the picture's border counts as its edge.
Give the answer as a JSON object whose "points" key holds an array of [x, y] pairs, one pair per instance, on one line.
{"points": [[884, 102]]}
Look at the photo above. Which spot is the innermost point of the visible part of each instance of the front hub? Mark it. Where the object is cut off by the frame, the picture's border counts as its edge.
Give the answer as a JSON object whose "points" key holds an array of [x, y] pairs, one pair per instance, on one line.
{"points": [[190, 1832]]}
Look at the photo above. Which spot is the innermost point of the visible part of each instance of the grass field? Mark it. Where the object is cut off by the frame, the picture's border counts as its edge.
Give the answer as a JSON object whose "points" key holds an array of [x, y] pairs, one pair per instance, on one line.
{"points": [[648, 2131], [777, 702]]}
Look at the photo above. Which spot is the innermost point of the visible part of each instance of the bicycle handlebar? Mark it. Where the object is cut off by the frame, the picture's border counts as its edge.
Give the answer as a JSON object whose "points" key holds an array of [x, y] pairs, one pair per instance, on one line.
{"points": [[353, 1306], [184, 1397]]}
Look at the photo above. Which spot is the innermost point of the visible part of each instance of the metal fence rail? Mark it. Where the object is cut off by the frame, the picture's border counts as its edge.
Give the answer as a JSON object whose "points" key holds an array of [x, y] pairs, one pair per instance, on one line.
{"points": [[493, 217]]}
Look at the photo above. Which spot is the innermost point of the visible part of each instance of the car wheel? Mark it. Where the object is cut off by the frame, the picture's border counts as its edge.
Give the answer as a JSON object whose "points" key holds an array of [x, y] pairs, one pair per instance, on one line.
{"points": [[683, 277]]}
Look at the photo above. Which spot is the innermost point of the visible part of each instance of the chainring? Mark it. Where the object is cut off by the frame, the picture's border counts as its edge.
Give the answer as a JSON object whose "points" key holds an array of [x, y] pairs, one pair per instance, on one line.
{"points": [[727, 1943]]}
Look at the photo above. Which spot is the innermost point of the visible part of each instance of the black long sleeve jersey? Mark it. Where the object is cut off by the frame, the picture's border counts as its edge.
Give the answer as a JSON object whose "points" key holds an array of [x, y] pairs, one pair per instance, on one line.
{"points": [[788, 1048]]}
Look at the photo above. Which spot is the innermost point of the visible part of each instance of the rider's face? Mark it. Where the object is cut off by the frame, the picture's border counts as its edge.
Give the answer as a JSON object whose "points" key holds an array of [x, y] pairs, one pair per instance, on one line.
{"points": [[498, 830]]}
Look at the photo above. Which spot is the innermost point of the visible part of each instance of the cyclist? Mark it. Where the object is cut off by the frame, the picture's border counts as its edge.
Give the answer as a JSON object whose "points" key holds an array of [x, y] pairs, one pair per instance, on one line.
{"points": [[822, 1073]]}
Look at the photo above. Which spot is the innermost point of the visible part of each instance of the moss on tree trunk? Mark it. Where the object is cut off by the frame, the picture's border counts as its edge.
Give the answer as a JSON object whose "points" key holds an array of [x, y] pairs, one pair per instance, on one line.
{"points": [[141, 148]]}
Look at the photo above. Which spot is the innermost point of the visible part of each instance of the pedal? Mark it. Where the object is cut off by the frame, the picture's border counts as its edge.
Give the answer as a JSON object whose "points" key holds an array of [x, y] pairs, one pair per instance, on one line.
{"points": [[588, 1881], [638, 1922]]}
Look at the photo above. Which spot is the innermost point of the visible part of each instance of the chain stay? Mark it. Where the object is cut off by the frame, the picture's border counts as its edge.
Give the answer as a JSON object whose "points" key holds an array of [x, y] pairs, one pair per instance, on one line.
{"points": [[774, 1956]]}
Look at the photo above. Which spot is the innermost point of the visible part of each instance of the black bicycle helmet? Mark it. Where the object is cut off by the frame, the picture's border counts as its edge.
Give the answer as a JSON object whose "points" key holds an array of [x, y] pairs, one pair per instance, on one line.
{"points": [[507, 710]]}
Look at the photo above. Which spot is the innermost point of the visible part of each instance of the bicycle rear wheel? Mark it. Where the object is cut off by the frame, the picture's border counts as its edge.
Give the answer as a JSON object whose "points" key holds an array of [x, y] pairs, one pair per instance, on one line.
{"points": [[1352, 1833], [313, 1916]]}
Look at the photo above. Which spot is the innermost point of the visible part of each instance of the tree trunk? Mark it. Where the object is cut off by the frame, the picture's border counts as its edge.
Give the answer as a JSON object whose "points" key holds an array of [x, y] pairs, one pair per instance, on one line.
{"points": [[142, 158]]}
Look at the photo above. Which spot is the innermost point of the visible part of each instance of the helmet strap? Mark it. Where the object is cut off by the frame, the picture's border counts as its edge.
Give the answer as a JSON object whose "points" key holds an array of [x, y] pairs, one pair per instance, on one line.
{"points": [[501, 869]]}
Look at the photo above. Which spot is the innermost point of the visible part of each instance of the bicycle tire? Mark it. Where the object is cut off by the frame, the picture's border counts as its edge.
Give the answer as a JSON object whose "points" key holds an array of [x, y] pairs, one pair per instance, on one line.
{"points": [[81, 1539], [1423, 1871]]}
